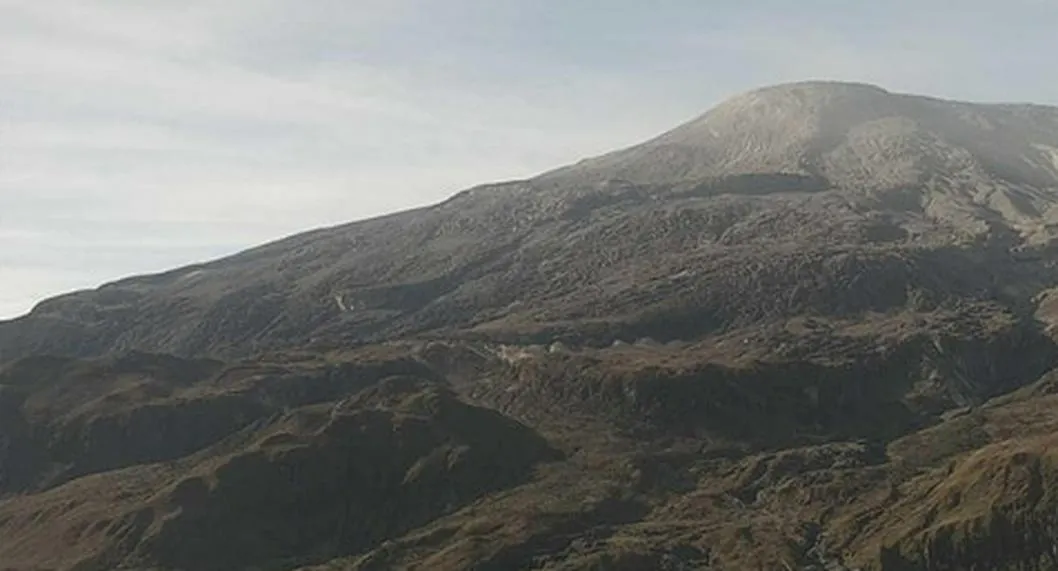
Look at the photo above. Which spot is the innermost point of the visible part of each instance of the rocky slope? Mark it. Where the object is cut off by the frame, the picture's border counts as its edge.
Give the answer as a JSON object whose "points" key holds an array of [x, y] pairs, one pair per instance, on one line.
{"points": [[811, 329]]}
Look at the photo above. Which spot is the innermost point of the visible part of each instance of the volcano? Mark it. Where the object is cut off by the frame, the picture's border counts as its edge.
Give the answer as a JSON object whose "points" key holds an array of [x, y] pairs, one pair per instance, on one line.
{"points": [[812, 328]]}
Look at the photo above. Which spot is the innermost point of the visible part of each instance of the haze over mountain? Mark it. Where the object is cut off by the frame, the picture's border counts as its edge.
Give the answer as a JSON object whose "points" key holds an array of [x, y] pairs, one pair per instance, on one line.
{"points": [[812, 329]]}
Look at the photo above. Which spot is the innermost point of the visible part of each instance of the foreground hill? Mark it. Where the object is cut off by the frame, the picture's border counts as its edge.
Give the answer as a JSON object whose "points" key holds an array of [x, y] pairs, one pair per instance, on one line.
{"points": [[624, 458], [811, 329]]}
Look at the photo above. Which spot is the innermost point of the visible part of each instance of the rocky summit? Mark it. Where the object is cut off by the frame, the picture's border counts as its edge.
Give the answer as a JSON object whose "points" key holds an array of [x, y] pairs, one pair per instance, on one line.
{"points": [[813, 328]]}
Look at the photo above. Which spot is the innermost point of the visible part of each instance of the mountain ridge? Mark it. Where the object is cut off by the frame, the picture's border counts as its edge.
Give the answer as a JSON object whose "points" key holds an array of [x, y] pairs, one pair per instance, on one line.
{"points": [[960, 203]]}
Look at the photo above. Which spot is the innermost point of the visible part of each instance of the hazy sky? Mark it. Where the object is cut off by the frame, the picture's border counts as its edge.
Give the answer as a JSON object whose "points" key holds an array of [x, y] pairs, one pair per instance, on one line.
{"points": [[137, 135]]}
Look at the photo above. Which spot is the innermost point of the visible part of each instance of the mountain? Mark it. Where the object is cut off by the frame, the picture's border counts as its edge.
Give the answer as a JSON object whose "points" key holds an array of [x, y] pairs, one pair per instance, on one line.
{"points": [[905, 192], [813, 328]]}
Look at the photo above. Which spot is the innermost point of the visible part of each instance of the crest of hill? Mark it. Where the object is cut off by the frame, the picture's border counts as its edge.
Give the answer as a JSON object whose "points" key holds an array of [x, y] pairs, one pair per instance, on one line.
{"points": [[853, 135]]}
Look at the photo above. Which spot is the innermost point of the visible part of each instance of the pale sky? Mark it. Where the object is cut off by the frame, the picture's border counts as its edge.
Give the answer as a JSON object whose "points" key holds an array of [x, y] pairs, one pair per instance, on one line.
{"points": [[139, 135]]}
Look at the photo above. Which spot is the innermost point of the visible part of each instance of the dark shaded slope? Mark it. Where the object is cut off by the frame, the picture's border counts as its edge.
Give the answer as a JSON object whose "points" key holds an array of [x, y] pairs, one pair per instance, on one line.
{"points": [[307, 485], [67, 418]]}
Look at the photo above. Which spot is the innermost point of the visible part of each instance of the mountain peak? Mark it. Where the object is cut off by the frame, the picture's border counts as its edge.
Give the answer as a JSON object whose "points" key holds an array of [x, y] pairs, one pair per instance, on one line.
{"points": [[805, 100], [852, 134], [817, 86]]}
